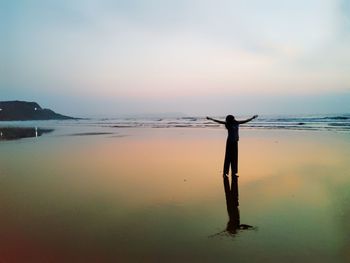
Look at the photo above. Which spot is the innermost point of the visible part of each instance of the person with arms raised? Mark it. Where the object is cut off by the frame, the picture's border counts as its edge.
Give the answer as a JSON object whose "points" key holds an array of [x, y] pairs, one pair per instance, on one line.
{"points": [[231, 154]]}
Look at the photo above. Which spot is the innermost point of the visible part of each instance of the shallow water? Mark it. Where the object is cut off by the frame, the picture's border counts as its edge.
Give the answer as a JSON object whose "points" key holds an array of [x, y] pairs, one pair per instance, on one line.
{"points": [[152, 195]]}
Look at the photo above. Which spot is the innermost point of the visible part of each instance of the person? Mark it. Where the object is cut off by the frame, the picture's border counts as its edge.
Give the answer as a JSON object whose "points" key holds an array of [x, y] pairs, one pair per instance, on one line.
{"points": [[231, 153]]}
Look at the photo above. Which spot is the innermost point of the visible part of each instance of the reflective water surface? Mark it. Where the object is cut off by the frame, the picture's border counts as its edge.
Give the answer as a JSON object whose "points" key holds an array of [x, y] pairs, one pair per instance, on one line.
{"points": [[16, 133], [142, 195]]}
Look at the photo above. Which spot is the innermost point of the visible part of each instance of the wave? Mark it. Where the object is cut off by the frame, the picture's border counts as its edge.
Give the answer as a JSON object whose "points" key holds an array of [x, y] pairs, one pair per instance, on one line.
{"points": [[339, 122], [337, 118]]}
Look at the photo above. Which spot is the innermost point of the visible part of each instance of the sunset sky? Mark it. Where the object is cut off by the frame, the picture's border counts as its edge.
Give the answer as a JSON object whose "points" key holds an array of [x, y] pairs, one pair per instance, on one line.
{"points": [[199, 57]]}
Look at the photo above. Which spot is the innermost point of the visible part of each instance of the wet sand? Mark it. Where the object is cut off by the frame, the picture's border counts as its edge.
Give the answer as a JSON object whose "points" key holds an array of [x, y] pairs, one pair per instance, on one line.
{"points": [[16, 133], [157, 195]]}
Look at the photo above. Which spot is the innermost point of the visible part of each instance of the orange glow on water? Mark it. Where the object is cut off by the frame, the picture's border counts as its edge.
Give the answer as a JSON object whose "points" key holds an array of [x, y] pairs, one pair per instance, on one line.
{"points": [[66, 195]]}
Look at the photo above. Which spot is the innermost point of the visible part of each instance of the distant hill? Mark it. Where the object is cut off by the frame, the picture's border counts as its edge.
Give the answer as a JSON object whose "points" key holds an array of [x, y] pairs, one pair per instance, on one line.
{"points": [[25, 111]]}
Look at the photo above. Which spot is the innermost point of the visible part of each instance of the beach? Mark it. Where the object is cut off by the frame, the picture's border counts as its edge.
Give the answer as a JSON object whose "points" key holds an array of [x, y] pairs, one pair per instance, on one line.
{"points": [[145, 194], [175, 131]]}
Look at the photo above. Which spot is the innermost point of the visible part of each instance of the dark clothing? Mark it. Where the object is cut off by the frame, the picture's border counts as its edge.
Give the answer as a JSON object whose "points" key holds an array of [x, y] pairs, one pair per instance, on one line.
{"points": [[231, 157], [231, 154], [232, 130]]}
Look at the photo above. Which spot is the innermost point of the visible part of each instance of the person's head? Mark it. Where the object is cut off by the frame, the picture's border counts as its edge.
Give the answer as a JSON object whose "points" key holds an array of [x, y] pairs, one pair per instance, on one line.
{"points": [[230, 119]]}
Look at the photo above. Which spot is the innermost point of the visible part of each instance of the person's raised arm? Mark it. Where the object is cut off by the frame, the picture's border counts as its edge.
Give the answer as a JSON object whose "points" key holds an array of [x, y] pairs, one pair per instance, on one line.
{"points": [[248, 120], [218, 121]]}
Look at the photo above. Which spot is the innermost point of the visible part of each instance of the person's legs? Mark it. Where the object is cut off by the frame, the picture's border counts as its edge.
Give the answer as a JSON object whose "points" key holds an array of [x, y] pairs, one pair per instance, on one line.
{"points": [[234, 158], [228, 157]]}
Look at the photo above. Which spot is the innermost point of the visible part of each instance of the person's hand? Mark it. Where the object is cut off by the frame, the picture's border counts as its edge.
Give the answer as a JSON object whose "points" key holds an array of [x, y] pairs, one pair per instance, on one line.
{"points": [[255, 116], [208, 118]]}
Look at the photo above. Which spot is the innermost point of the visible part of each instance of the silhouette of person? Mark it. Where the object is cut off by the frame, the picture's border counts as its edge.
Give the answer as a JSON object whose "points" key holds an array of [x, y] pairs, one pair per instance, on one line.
{"points": [[234, 223], [231, 153], [232, 204]]}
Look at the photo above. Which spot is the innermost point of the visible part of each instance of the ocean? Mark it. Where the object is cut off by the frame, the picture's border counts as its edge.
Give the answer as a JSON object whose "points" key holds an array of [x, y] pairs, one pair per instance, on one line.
{"points": [[91, 126]]}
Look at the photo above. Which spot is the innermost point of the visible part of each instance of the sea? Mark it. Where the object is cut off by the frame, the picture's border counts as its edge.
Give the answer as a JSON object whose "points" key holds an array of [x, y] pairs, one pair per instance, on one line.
{"points": [[325, 122]]}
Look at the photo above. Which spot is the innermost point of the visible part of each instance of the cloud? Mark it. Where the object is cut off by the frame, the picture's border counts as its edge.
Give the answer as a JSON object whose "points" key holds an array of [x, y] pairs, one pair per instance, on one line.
{"points": [[163, 49]]}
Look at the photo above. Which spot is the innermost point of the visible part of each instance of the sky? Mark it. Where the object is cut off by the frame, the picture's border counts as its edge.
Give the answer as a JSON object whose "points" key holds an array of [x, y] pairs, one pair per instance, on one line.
{"points": [[197, 57]]}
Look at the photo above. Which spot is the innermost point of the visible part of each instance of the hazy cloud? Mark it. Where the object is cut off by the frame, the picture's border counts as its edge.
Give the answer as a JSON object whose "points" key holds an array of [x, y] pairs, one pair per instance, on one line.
{"points": [[140, 50]]}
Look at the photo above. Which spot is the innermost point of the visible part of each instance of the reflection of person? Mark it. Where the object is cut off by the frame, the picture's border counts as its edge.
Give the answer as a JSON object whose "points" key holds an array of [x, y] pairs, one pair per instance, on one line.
{"points": [[231, 154], [234, 223], [231, 195]]}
